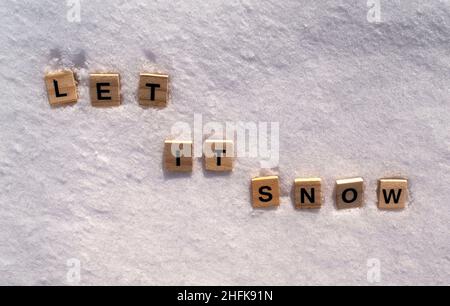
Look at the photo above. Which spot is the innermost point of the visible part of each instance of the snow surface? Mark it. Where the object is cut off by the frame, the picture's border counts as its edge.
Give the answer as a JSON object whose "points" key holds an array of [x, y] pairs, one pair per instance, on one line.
{"points": [[353, 98]]}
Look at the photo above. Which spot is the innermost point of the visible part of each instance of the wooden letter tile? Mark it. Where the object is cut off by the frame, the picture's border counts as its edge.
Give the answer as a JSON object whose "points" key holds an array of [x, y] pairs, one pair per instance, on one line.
{"points": [[105, 89], [153, 89], [219, 155], [308, 193], [349, 193], [61, 88], [178, 155], [392, 193], [266, 191]]}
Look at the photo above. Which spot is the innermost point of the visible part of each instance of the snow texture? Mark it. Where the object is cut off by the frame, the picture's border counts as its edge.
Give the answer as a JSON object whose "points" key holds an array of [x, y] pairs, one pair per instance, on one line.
{"points": [[353, 98]]}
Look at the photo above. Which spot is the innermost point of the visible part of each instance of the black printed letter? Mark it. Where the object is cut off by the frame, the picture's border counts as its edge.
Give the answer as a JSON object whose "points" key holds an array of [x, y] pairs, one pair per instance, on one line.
{"points": [[387, 198], [353, 199], [178, 159], [268, 194], [153, 89], [100, 91], [311, 197], [219, 156], [57, 93]]}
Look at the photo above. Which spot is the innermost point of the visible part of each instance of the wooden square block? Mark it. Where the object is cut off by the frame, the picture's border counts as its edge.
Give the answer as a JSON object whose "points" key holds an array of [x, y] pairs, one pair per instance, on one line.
{"points": [[153, 89], [219, 155], [308, 193], [392, 194], [349, 193], [105, 89], [61, 88], [266, 191], [178, 155]]}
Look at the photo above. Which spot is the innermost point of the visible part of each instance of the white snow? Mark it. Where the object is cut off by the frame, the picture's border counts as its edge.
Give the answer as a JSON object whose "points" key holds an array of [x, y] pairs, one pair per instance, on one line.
{"points": [[353, 98]]}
